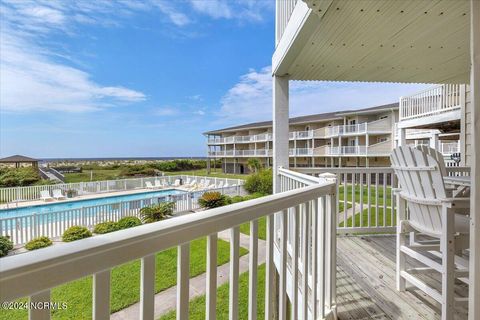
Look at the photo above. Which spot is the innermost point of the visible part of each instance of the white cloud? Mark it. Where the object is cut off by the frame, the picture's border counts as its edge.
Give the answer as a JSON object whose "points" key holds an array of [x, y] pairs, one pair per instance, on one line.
{"points": [[199, 112], [166, 112], [176, 17], [30, 80], [250, 10], [251, 98], [214, 8]]}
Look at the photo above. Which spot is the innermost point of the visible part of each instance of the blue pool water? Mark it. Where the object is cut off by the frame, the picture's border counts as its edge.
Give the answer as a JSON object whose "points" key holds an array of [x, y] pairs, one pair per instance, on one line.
{"points": [[63, 205]]}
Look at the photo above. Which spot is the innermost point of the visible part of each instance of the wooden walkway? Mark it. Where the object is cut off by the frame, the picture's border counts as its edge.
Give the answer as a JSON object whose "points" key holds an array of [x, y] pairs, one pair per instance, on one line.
{"points": [[366, 283]]}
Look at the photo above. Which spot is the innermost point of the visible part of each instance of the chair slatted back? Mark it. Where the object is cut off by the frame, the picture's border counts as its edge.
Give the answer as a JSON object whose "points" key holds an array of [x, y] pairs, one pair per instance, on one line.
{"points": [[421, 182], [436, 155]]}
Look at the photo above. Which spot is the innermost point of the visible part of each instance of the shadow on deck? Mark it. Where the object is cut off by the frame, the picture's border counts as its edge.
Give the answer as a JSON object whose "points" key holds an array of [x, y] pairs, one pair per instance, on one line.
{"points": [[366, 283]]}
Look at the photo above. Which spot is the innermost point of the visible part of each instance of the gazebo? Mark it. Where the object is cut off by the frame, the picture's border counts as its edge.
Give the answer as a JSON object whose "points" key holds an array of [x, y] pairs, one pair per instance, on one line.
{"points": [[18, 160]]}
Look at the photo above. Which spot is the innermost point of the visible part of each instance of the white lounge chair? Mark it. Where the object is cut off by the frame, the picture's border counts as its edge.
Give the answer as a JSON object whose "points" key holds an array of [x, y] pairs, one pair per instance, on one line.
{"points": [[158, 184], [45, 195], [424, 207], [176, 183], [149, 185], [57, 194], [220, 184]]}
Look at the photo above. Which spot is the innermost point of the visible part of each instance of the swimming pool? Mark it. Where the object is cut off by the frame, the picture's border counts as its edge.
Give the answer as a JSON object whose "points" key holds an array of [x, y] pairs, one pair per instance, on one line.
{"points": [[78, 204]]}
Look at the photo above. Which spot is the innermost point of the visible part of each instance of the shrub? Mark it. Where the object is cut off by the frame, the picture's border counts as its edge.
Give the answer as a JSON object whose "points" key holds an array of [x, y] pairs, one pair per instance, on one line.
{"points": [[157, 212], [38, 243], [128, 222], [105, 227], [211, 200], [260, 182], [76, 233], [14, 177], [5, 245]]}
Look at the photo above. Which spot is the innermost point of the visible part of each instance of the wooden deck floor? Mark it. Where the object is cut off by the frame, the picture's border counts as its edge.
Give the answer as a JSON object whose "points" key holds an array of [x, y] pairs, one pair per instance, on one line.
{"points": [[366, 283]]}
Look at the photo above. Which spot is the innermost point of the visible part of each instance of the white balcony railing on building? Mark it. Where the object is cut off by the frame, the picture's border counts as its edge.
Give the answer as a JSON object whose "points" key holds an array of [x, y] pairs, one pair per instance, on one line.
{"points": [[347, 129], [448, 148], [433, 101], [259, 137], [284, 9], [35, 274], [241, 153], [300, 151], [347, 150]]}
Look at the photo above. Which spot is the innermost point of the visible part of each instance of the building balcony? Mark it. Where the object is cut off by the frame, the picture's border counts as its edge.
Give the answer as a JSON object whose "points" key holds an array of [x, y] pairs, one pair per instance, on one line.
{"points": [[439, 104], [380, 126], [297, 152], [262, 137], [240, 153], [378, 149]]}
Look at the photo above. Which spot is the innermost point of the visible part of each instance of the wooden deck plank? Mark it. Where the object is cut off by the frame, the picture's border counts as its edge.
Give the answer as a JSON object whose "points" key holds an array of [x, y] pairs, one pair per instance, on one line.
{"points": [[369, 262]]}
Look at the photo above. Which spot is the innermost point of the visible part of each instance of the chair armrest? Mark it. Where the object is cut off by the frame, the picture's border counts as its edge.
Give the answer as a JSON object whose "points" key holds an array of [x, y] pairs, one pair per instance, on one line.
{"points": [[457, 202]]}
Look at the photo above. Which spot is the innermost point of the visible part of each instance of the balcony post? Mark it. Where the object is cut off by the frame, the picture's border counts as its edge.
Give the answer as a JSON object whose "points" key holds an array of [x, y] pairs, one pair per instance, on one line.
{"points": [[280, 128], [474, 272]]}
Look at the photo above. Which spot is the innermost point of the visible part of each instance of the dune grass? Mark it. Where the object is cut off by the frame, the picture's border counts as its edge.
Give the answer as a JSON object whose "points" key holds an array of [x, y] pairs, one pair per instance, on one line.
{"points": [[125, 282]]}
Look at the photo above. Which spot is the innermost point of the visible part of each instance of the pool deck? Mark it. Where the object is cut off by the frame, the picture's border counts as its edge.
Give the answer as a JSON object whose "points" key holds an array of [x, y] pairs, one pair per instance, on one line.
{"points": [[22, 204]]}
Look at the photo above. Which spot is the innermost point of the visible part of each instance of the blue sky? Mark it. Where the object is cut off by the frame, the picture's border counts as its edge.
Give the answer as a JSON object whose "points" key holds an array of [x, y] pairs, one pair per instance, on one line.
{"points": [[145, 78]]}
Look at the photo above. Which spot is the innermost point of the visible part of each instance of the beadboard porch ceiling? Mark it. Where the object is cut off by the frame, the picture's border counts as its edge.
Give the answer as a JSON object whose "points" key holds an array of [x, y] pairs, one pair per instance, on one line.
{"points": [[385, 41]]}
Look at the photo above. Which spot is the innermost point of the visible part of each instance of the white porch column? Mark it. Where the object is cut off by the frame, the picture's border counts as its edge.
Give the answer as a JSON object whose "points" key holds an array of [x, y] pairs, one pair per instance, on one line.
{"points": [[280, 128], [434, 141], [474, 288], [402, 137]]}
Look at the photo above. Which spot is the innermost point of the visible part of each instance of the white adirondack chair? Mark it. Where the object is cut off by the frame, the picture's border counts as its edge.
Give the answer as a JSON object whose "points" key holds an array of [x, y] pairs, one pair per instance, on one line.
{"points": [[57, 194], [423, 206]]}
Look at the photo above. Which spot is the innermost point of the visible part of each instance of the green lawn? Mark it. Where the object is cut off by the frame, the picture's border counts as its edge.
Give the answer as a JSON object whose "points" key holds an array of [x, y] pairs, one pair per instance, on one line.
{"points": [[203, 172], [262, 228], [112, 174], [373, 195], [373, 218], [125, 282], [100, 174], [197, 305]]}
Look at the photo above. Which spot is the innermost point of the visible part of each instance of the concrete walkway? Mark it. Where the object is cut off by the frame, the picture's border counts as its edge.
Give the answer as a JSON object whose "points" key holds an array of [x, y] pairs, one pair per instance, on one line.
{"points": [[165, 301]]}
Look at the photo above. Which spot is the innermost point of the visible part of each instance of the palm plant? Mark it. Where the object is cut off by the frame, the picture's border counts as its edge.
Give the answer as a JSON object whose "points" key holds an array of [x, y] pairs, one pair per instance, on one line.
{"points": [[157, 212], [254, 164]]}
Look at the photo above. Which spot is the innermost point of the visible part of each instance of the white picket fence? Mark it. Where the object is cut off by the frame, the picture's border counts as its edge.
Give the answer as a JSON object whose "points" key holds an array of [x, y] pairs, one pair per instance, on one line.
{"points": [[22, 229], [18, 194]]}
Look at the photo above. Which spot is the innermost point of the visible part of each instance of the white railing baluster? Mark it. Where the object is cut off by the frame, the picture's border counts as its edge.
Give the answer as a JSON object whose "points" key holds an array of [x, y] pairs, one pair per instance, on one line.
{"points": [[39, 313], [101, 295], [305, 260], [252, 276], [147, 287], [315, 212], [211, 281], [282, 300], [295, 260], [183, 280], [270, 293], [234, 269]]}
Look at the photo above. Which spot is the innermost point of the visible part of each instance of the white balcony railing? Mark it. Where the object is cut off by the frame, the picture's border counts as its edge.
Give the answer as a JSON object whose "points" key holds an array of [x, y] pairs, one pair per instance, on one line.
{"points": [[347, 129], [433, 101], [35, 274], [284, 9], [259, 137], [347, 150], [448, 148], [241, 153], [300, 151]]}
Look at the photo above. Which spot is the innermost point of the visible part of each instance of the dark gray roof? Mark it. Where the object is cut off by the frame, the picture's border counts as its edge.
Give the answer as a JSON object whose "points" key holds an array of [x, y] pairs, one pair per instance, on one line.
{"points": [[18, 158], [310, 118]]}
